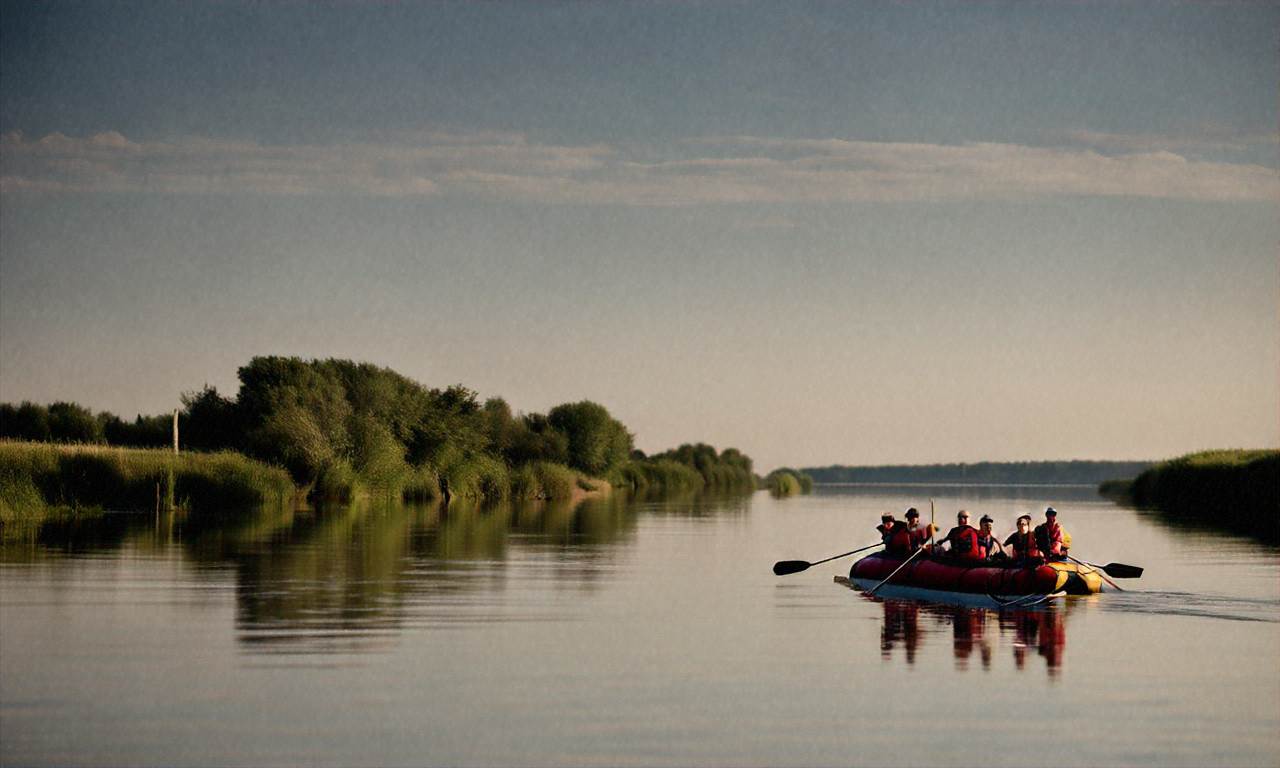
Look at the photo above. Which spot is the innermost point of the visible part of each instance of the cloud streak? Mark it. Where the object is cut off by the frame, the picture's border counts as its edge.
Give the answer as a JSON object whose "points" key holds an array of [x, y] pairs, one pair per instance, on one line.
{"points": [[714, 170]]}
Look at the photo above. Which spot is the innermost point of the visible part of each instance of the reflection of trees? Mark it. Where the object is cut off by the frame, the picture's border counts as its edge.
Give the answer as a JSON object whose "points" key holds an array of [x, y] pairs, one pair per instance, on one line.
{"points": [[347, 578], [1042, 629], [350, 578]]}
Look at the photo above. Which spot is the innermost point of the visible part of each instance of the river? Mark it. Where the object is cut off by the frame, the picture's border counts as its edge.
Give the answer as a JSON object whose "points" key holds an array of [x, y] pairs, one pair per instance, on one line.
{"points": [[623, 632]]}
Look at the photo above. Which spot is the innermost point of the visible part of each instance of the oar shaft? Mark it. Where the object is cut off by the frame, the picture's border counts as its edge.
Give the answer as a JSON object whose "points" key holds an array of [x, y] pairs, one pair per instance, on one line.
{"points": [[787, 567], [846, 554], [872, 591]]}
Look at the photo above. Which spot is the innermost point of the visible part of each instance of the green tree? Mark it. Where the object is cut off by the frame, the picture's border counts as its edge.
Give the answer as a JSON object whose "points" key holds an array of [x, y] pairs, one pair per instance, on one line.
{"points": [[597, 441]]}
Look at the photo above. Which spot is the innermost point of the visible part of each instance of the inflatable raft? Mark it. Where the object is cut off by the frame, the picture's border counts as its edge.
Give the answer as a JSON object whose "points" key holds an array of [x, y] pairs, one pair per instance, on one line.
{"points": [[982, 583]]}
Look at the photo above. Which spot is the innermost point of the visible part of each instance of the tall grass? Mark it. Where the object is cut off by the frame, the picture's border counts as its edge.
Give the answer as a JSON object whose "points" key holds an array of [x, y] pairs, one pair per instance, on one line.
{"points": [[657, 474], [39, 479], [1238, 489]]}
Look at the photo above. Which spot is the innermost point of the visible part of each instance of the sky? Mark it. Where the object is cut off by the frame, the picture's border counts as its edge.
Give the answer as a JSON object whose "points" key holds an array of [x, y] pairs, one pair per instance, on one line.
{"points": [[821, 233]]}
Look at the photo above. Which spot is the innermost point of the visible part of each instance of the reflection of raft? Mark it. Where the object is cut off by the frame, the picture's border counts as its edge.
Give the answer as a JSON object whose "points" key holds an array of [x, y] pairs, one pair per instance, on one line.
{"points": [[954, 581]]}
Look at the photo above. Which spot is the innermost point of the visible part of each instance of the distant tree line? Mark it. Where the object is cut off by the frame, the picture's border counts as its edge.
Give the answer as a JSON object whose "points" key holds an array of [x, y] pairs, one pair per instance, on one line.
{"points": [[992, 472], [337, 425]]}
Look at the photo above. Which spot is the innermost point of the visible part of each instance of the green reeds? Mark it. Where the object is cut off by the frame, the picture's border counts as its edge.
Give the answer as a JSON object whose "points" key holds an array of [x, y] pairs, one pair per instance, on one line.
{"points": [[478, 476], [658, 474], [38, 480], [1238, 489]]}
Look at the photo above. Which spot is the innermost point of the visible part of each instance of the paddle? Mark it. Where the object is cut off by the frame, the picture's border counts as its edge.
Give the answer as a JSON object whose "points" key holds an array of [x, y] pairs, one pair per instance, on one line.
{"points": [[1091, 565], [786, 567], [1120, 570], [872, 591]]}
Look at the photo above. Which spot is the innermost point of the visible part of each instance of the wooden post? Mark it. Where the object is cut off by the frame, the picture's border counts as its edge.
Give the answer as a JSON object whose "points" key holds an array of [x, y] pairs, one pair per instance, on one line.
{"points": [[175, 430]]}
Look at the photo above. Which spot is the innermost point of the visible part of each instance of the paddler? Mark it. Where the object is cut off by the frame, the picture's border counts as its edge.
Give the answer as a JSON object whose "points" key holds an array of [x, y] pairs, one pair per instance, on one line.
{"points": [[963, 539], [1048, 536], [919, 534], [1022, 543], [988, 544], [897, 542]]}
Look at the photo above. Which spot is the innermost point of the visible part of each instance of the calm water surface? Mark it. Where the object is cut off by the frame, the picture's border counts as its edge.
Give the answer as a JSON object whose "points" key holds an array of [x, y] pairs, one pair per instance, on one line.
{"points": [[623, 632]]}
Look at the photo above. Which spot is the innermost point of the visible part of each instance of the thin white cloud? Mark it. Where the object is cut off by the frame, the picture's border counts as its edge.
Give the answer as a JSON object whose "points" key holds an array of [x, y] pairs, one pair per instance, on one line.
{"points": [[1205, 142], [716, 170]]}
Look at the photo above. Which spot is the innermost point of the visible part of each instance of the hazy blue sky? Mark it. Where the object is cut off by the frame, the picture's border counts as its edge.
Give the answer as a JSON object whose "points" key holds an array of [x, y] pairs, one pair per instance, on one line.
{"points": [[821, 233]]}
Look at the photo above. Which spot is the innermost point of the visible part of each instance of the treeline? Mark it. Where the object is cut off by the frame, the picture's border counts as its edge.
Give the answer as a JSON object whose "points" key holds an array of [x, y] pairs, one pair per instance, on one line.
{"points": [[1239, 490], [340, 427], [993, 472]]}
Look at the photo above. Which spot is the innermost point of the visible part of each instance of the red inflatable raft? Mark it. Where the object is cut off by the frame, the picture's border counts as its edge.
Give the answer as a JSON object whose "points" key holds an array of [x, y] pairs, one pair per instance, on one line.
{"points": [[927, 579]]}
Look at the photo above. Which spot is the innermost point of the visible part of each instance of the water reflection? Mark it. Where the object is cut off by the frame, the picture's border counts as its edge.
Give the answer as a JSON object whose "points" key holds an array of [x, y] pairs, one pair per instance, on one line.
{"points": [[351, 578], [976, 633]]}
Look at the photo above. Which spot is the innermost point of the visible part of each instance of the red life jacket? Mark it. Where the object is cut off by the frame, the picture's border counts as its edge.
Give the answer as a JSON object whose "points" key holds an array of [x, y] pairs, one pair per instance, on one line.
{"points": [[1049, 538], [964, 542], [1024, 546], [897, 540]]}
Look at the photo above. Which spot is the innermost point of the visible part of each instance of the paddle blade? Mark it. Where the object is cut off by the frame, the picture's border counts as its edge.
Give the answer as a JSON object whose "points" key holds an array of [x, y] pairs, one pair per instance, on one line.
{"points": [[784, 567], [1122, 571]]}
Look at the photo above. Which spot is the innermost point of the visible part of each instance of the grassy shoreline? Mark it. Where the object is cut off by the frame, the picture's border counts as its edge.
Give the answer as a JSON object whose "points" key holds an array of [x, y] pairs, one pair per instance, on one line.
{"points": [[42, 481], [1237, 489]]}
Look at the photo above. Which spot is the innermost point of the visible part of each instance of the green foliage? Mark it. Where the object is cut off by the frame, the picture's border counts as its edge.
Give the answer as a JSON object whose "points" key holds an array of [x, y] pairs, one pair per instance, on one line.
{"points": [[61, 422], [1238, 489], [788, 482], [474, 477], [556, 481], [728, 469], [598, 443], [534, 439], [660, 474], [39, 478], [209, 421], [421, 484], [142, 432]]}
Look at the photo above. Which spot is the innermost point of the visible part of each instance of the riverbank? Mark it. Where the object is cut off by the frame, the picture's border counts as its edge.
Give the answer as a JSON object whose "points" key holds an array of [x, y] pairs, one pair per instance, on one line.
{"points": [[1237, 489]]}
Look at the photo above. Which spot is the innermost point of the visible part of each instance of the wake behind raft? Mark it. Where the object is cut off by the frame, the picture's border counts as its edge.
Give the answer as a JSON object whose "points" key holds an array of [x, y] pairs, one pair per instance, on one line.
{"points": [[985, 584]]}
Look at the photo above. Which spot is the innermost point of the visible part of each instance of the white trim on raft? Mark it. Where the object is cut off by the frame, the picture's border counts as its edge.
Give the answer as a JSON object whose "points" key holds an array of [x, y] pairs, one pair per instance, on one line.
{"points": [[967, 599]]}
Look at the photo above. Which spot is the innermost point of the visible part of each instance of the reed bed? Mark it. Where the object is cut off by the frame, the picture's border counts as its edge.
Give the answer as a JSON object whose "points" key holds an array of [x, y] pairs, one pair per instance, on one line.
{"points": [[39, 480], [1239, 489]]}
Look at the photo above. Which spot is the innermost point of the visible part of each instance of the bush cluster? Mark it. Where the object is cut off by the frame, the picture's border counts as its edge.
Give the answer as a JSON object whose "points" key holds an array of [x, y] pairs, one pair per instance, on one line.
{"points": [[788, 482]]}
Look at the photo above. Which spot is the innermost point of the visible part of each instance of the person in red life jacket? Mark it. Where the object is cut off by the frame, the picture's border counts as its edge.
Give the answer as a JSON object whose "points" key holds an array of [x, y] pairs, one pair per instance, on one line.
{"points": [[1049, 536], [988, 544], [897, 542], [1021, 543], [963, 539], [919, 534]]}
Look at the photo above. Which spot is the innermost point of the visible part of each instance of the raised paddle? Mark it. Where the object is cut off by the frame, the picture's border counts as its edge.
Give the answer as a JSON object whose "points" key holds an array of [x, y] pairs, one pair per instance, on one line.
{"points": [[872, 591], [785, 567]]}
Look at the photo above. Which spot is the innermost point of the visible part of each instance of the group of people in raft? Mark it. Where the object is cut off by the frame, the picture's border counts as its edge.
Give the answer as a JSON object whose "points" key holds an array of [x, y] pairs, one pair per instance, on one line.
{"points": [[1025, 546]]}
